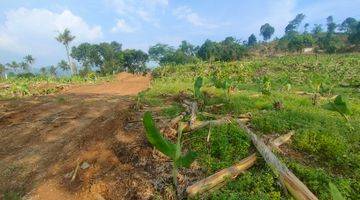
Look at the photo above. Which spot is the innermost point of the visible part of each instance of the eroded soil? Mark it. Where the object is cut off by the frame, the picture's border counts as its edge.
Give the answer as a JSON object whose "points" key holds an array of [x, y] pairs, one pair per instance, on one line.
{"points": [[44, 139]]}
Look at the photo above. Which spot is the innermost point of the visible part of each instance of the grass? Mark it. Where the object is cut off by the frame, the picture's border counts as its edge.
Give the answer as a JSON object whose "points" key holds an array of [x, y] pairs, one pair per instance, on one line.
{"points": [[328, 149]]}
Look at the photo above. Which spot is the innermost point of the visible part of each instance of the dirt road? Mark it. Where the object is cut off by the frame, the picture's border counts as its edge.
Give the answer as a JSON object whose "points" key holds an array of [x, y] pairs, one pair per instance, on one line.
{"points": [[44, 140]]}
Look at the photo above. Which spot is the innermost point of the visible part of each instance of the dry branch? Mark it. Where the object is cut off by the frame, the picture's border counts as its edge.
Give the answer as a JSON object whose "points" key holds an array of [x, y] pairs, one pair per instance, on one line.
{"points": [[296, 188], [219, 178]]}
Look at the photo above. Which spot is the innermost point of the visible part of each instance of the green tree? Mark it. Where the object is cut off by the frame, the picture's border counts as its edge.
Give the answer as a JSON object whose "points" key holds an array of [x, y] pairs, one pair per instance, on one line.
{"points": [[65, 38], [298, 42], [187, 48], [266, 31], [317, 29], [354, 37], [348, 25], [294, 24], [159, 52], [331, 26], [208, 50], [306, 26], [251, 40], [135, 60]]}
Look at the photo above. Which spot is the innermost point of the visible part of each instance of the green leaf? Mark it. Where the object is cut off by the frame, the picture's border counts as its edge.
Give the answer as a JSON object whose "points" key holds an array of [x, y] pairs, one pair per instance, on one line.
{"points": [[335, 193], [197, 85], [156, 139], [339, 105], [186, 160]]}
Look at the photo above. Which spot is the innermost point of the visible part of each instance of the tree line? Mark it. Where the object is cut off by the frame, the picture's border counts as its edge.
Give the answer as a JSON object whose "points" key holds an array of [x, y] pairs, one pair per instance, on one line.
{"points": [[109, 58]]}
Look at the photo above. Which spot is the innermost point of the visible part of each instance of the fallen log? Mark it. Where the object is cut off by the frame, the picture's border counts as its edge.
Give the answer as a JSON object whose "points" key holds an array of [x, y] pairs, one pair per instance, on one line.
{"points": [[219, 179], [212, 182], [296, 188]]}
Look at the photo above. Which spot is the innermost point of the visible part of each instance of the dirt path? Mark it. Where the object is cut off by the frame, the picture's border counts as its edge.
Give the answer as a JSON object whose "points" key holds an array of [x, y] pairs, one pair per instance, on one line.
{"points": [[44, 139]]}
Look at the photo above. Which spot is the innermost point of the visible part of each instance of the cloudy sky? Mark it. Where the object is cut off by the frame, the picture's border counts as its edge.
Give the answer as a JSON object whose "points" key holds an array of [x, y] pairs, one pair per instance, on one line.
{"points": [[29, 26]]}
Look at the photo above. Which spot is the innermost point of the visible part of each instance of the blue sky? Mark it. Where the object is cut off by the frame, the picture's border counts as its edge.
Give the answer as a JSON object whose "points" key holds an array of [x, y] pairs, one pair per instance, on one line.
{"points": [[29, 26]]}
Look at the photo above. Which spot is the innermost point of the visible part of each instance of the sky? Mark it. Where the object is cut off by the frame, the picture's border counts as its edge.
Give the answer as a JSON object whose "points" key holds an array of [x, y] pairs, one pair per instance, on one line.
{"points": [[30, 26]]}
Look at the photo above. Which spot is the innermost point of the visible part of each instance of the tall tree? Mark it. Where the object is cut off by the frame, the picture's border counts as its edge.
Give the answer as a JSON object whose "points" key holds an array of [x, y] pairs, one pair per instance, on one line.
{"points": [[294, 24], [65, 38], [331, 26], [251, 40], [267, 31], [30, 60]]}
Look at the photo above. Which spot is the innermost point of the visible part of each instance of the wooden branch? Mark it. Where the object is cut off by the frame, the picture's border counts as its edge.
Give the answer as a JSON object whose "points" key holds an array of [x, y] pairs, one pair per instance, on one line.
{"points": [[296, 188], [219, 179]]}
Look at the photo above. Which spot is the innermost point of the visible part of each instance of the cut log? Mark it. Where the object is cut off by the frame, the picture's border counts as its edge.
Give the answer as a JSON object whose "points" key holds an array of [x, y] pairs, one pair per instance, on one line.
{"points": [[220, 178], [213, 181], [296, 188]]}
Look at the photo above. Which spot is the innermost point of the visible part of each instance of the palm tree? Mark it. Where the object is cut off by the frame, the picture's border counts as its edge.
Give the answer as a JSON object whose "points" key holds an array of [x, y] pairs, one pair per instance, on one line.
{"points": [[63, 65], [29, 59], [65, 38]]}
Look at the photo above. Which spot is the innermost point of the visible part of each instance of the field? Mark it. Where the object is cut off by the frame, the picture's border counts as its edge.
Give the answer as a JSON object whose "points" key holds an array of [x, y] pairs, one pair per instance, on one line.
{"points": [[86, 140], [282, 94]]}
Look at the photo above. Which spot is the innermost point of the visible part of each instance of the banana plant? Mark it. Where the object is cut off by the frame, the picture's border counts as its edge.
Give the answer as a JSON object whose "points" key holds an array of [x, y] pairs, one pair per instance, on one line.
{"points": [[171, 150], [197, 85], [339, 105]]}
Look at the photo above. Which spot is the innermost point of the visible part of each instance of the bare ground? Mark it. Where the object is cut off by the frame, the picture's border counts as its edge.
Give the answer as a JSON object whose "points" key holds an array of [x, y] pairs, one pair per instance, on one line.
{"points": [[44, 139]]}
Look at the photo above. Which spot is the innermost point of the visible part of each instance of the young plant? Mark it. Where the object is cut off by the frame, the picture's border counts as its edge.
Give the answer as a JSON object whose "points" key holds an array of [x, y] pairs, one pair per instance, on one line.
{"points": [[173, 151]]}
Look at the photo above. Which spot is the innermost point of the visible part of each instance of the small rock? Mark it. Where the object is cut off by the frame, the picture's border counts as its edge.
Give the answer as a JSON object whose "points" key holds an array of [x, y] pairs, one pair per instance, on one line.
{"points": [[85, 165]]}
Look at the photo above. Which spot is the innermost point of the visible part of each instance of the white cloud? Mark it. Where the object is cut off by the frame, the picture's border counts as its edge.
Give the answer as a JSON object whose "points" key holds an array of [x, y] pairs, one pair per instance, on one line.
{"points": [[139, 10], [33, 30], [186, 13], [122, 26]]}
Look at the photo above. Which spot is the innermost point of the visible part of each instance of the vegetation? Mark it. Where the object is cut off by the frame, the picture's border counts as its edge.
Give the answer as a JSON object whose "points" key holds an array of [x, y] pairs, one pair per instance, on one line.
{"points": [[324, 150]]}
